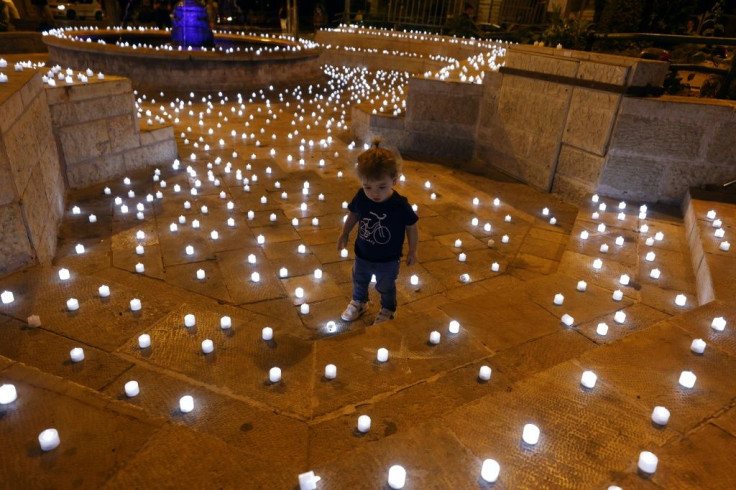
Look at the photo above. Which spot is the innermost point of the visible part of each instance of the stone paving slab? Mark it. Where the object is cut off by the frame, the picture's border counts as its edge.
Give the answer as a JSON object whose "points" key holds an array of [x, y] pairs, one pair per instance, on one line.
{"points": [[638, 317], [241, 359], [179, 457], [698, 321], [96, 434], [653, 380]]}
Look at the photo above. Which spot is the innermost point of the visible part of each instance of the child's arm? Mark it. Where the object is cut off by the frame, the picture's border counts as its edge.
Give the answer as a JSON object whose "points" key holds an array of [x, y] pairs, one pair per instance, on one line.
{"points": [[342, 240], [412, 236]]}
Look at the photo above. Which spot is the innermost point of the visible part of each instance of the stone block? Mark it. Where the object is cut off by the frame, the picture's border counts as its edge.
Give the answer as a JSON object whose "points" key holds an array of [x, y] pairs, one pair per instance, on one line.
{"points": [[11, 108], [122, 132], [443, 109], [570, 189], [439, 146], [380, 121], [95, 170], [81, 142], [607, 73], [631, 178], [159, 153], [649, 135], [21, 146], [540, 63], [64, 114], [648, 73], [15, 247], [31, 89], [590, 119], [721, 149], [149, 136], [580, 165], [104, 88], [8, 192], [35, 205]]}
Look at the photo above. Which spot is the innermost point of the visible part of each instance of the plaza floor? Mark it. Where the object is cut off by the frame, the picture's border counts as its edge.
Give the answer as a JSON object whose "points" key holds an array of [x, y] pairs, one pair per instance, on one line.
{"points": [[493, 255]]}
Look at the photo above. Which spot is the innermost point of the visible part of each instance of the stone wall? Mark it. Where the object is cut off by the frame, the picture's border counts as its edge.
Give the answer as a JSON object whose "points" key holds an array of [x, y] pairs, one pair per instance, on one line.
{"points": [[440, 120], [97, 130], [31, 182]]}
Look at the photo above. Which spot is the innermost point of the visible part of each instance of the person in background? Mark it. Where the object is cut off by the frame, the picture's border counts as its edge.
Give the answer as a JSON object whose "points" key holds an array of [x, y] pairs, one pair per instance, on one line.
{"points": [[463, 25], [213, 13]]}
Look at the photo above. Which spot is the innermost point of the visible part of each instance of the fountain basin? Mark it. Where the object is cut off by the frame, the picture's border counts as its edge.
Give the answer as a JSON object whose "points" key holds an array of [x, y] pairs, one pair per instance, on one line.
{"points": [[152, 62]]}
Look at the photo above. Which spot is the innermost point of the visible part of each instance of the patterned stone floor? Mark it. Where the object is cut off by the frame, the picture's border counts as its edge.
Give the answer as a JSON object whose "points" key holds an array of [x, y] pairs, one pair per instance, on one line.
{"points": [[430, 412]]}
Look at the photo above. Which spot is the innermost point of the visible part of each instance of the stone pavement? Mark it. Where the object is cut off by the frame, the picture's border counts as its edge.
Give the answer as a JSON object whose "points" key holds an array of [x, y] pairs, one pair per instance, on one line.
{"points": [[430, 411]]}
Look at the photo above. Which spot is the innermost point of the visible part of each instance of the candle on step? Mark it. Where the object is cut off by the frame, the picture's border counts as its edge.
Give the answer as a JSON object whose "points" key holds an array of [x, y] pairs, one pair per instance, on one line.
{"points": [[414, 280], [484, 373], [49, 439], [104, 291], [330, 371], [304, 309], [680, 300], [567, 319], [582, 286], [660, 415], [588, 379], [687, 379], [226, 322], [274, 375], [619, 317], [490, 470], [454, 326], [382, 355], [64, 274], [72, 304], [200, 274], [618, 295], [8, 394], [144, 341], [697, 346], [530, 434], [559, 299], [267, 333], [434, 337], [207, 346], [77, 354], [189, 320], [718, 324], [601, 329], [647, 462], [140, 268], [186, 404], [396, 477], [132, 389], [135, 304], [364, 423]]}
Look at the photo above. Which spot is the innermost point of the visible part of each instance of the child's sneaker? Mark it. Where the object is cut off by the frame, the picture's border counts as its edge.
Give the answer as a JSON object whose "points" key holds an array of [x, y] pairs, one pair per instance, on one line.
{"points": [[383, 315], [353, 311]]}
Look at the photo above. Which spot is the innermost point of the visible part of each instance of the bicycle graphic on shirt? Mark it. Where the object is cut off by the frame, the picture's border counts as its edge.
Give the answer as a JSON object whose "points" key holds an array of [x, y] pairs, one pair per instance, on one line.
{"points": [[373, 231]]}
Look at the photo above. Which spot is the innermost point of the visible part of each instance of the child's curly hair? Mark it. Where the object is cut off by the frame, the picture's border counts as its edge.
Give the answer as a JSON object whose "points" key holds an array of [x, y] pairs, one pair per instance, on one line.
{"points": [[377, 163]]}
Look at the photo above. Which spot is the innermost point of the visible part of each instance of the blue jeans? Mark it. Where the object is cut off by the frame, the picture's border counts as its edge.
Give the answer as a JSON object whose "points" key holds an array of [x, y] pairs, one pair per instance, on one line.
{"points": [[386, 274]]}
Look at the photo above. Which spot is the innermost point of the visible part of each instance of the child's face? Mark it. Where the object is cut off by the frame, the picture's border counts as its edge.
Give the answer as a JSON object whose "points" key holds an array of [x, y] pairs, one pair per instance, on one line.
{"points": [[379, 190]]}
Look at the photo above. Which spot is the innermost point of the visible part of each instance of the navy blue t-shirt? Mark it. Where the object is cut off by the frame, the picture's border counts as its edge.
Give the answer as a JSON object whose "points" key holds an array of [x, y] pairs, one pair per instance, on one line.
{"points": [[381, 226]]}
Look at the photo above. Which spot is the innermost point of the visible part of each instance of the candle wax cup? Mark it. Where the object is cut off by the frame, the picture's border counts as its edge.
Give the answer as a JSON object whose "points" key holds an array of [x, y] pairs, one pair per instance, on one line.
{"points": [[77, 354], [8, 394], [647, 462], [588, 379], [382, 355], [49, 439], [364, 423], [530, 434], [186, 404], [484, 374], [132, 389], [330, 371], [267, 333], [396, 477], [144, 341], [660, 415], [697, 346], [274, 375], [490, 470], [308, 481]]}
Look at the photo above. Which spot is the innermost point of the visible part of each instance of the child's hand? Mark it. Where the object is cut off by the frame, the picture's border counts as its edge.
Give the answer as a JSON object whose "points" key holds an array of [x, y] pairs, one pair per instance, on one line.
{"points": [[342, 242], [411, 258]]}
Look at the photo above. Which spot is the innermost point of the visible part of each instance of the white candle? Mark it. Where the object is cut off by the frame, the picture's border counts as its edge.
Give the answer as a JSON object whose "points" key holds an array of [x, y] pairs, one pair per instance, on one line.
{"points": [[200, 274], [495, 267], [530, 434], [49, 439], [584, 235], [660, 415], [207, 346], [464, 277], [582, 286], [189, 320], [655, 273], [186, 404], [77, 354], [267, 333], [601, 329], [364, 423], [718, 324], [140, 268], [139, 250], [567, 320], [697, 346], [624, 279], [299, 292], [588, 379], [553, 221], [647, 462], [272, 217], [135, 304], [454, 326], [104, 291], [283, 272], [434, 337], [274, 375], [619, 317], [189, 250], [719, 233], [725, 246], [462, 257], [330, 371], [601, 228], [680, 300], [687, 379], [619, 241], [382, 355], [650, 256], [132, 389], [144, 341], [458, 243], [64, 274], [618, 295], [261, 239], [604, 248], [344, 253], [308, 481], [490, 470], [225, 322], [649, 242], [92, 218], [255, 277], [597, 264], [8, 394], [659, 236], [72, 304], [396, 477], [173, 227], [711, 215], [484, 373], [559, 299], [505, 239]]}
